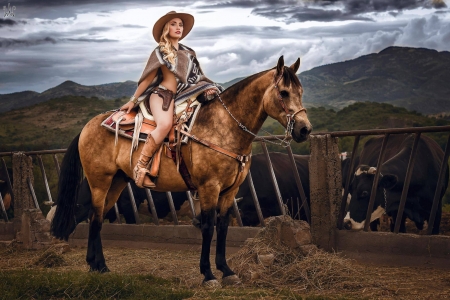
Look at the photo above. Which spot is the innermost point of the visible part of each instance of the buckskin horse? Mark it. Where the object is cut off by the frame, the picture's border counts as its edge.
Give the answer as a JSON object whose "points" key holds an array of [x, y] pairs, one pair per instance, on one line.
{"points": [[229, 126]]}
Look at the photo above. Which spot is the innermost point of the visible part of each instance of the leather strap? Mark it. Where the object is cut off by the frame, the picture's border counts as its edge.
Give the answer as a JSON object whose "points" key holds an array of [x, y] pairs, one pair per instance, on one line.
{"points": [[240, 158]]}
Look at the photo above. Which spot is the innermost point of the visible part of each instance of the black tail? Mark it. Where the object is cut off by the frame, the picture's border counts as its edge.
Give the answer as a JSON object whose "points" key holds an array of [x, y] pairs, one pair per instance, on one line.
{"points": [[63, 224]]}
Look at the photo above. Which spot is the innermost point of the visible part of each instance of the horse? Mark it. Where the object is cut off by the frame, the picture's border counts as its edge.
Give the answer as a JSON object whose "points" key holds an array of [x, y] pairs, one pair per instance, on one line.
{"points": [[276, 92]]}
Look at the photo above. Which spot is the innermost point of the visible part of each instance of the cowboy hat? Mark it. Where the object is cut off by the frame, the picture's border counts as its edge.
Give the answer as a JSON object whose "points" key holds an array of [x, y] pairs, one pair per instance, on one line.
{"points": [[188, 23]]}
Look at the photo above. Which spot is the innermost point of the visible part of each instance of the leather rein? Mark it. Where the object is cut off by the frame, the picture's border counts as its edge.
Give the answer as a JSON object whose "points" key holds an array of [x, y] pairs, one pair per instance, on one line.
{"points": [[242, 159]]}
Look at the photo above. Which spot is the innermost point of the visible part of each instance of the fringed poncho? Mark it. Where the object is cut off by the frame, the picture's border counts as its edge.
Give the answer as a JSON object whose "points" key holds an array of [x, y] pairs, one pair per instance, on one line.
{"points": [[188, 73]]}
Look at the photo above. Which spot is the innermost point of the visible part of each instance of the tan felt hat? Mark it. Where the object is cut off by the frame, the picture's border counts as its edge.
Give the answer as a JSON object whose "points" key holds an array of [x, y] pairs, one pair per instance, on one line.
{"points": [[188, 23]]}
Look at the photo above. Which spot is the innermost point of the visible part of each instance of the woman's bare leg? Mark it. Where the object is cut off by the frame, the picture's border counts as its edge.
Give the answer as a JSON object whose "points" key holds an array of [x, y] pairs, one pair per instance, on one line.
{"points": [[163, 119]]}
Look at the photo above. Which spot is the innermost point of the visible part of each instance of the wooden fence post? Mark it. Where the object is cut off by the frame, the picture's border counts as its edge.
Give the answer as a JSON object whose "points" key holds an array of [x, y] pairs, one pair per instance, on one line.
{"points": [[325, 189], [22, 169], [31, 228]]}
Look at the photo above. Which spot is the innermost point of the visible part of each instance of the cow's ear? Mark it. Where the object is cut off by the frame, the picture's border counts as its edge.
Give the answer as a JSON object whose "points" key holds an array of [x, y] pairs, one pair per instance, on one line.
{"points": [[388, 181]]}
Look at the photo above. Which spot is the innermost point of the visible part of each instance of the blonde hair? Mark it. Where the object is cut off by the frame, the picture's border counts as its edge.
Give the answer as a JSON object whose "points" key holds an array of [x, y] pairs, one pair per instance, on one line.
{"points": [[166, 45]]}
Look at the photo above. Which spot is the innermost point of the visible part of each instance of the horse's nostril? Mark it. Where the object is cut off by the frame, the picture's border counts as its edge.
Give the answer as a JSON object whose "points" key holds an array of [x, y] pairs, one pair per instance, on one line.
{"points": [[305, 131]]}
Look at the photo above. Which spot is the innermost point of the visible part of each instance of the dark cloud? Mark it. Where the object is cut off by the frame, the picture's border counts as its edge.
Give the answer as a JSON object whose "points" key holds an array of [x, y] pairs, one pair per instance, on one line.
{"points": [[93, 40], [275, 32], [10, 22], [321, 10], [296, 14], [53, 9], [12, 43]]}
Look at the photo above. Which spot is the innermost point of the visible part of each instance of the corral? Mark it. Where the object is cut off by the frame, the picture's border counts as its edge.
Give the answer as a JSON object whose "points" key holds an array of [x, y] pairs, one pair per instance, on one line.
{"points": [[424, 254]]}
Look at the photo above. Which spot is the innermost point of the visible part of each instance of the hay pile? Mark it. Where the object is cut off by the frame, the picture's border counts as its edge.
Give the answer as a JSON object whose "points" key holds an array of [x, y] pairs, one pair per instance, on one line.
{"points": [[268, 260], [49, 259]]}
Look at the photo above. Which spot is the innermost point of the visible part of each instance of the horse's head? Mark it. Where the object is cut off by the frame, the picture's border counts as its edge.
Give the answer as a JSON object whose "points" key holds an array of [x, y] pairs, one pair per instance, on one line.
{"points": [[284, 98]]}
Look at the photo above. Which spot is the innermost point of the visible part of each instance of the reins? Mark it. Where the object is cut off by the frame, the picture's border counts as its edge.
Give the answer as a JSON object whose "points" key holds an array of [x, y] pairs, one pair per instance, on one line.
{"points": [[290, 118], [243, 159]]}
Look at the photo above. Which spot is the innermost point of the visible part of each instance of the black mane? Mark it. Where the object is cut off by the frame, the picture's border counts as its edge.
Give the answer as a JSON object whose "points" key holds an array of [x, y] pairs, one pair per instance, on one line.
{"points": [[289, 78]]}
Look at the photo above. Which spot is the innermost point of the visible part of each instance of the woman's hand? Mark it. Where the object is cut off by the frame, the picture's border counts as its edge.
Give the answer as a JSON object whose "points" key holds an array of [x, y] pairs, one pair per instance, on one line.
{"points": [[127, 106], [211, 91]]}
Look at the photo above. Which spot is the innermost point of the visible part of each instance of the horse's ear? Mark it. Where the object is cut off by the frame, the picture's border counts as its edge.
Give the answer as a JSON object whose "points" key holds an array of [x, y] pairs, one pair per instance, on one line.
{"points": [[295, 65], [280, 65]]}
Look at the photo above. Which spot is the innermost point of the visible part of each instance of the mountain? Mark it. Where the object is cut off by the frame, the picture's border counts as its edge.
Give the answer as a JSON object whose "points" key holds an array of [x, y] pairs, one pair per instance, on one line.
{"points": [[109, 91], [414, 78]]}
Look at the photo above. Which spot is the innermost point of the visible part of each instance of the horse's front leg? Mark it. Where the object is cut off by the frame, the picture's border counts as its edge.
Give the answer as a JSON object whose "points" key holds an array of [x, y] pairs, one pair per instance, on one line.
{"points": [[223, 221]]}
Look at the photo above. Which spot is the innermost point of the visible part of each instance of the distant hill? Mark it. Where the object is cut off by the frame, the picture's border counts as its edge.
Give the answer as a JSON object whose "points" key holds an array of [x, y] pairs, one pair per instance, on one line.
{"points": [[414, 78], [109, 91], [54, 123], [51, 124]]}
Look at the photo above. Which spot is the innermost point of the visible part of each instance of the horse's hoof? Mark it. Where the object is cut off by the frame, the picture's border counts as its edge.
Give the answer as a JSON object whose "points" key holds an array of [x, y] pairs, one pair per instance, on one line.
{"points": [[211, 284], [104, 270], [231, 280]]}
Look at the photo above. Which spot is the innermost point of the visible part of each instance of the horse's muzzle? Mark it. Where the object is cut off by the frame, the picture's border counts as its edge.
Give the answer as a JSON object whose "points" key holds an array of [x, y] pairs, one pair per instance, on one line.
{"points": [[301, 131]]}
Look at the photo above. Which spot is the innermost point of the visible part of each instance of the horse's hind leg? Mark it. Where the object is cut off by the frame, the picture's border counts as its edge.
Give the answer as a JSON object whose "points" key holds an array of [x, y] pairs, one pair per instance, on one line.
{"points": [[104, 195], [223, 220], [208, 203]]}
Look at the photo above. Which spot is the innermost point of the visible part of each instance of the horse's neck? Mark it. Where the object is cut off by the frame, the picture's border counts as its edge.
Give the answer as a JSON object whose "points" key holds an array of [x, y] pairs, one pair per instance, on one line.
{"points": [[216, 125]]}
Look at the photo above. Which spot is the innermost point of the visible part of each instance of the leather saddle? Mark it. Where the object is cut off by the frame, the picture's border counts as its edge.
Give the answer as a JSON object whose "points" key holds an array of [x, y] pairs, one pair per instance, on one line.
{"points": [[124, 124]]}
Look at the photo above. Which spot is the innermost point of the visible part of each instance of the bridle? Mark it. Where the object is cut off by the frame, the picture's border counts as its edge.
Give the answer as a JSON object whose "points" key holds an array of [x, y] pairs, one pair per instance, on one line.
{"points": [[290, 117]]}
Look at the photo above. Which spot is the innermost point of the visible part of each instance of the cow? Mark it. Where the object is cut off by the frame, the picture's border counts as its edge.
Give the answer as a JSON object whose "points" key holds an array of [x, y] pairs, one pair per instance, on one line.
{"points": [[83, 206], [4, 189], [265, 191], [392, 178]]}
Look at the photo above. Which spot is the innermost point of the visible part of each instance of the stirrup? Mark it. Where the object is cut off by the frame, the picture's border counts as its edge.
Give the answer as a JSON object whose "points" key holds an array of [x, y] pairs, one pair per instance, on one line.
{"points": [[142, 177]]}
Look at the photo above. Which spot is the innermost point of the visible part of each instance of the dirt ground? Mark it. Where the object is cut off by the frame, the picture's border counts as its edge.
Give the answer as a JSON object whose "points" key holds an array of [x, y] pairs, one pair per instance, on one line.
{"points": [[381, 282]]}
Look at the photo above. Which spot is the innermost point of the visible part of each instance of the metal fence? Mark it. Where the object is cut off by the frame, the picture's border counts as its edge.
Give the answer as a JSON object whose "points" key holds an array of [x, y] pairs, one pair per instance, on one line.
{"points": [[151, 204], [357, 134], [387, 132]]}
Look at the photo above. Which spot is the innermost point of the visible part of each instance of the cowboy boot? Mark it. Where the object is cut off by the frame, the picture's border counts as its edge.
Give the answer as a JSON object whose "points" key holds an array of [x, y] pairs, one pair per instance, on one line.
{"points": [[141, 169]]}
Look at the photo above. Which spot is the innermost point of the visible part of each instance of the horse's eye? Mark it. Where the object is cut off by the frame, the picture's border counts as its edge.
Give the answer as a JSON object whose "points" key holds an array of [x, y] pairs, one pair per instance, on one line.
{"points": [[284, 94]]}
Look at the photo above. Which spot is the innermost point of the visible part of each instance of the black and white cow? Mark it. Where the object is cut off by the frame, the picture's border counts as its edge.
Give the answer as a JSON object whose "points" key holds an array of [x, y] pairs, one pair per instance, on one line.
{"points": [[392, 176], [265, 191]]}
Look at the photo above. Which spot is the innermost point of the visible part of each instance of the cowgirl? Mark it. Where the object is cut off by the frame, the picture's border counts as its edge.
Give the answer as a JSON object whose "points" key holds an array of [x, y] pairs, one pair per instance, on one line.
{"points": [[172, 73]]}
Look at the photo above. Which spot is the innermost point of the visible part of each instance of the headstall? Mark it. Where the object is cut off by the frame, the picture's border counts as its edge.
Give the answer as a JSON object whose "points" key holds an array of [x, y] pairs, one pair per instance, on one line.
{"points": [[290, 117]]}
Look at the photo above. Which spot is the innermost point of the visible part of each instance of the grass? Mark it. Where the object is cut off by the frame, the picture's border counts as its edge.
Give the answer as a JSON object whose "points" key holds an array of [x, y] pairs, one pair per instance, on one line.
{"points": [[163, 274], [36, 284]]}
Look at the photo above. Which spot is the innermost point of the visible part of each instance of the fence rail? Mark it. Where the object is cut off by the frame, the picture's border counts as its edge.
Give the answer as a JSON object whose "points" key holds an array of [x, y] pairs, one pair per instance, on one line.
{"points": [[151, 203], [357, 134]]}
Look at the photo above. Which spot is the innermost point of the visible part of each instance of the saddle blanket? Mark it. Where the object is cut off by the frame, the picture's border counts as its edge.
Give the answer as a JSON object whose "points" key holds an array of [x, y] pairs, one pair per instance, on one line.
{"points": [[127, 125]]}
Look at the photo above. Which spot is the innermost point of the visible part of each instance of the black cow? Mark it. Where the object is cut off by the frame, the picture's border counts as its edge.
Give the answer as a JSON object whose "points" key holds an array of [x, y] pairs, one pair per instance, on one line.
{"points": [[392, 177], [4, 189], [265, 191], [83, 206]]}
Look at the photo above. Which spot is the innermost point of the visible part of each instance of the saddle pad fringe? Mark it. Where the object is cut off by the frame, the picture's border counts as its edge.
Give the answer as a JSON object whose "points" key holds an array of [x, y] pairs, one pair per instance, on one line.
{"points": [[137, 129]]}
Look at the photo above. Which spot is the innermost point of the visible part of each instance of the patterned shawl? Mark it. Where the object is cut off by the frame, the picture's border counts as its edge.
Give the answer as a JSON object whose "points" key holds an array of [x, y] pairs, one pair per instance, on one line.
{"points": [[190, 77]]}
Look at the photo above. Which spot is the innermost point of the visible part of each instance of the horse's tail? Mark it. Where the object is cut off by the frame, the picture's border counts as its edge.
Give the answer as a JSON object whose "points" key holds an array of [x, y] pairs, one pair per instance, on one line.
{"points": [[63, 223]]}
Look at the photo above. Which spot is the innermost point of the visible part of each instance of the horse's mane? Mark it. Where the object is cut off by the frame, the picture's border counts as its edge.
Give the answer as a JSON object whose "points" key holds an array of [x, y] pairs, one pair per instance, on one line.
{"points": [[289, 78]]}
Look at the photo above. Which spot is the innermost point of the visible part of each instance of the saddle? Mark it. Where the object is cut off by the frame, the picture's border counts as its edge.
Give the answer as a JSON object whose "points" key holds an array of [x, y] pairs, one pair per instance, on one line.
{"points": [[136, 125]]}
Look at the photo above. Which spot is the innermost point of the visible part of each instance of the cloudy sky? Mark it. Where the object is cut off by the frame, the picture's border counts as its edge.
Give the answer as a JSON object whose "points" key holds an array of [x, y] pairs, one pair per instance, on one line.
{"points": [[100, 41]]}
